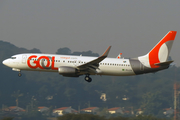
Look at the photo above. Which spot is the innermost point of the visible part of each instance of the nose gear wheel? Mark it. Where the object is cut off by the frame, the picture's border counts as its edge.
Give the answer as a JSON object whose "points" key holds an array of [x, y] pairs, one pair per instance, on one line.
{"points": [[19, 74]]}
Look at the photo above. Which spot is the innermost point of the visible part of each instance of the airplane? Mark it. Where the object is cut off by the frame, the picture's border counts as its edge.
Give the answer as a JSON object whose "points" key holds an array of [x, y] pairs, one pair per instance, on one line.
{"points": [[119, 56], [75, 66]]}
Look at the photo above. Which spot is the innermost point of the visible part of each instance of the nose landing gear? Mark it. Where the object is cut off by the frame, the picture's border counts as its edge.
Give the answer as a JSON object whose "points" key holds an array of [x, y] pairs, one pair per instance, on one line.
{"points": [[19, 74], [87, 78]]}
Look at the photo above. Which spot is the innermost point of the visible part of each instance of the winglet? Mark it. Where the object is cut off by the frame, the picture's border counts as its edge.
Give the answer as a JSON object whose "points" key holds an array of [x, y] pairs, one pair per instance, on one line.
{"points": [[105, 54], [119, 56]]}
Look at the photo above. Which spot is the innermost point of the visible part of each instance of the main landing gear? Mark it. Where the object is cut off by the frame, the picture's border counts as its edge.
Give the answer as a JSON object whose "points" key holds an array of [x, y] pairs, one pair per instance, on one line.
{"points": [[19, 74], [87, 78]]}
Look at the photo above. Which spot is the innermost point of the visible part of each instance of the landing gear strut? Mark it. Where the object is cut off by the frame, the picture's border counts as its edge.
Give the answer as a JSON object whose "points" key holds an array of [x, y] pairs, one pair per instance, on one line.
{"points": [[19, 74], [87, 78]]}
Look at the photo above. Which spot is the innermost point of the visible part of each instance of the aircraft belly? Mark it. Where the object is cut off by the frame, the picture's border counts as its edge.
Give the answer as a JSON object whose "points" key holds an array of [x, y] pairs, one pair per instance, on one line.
{"points": [[27, 68], [41, 70], [117, 71], [140, 68]]}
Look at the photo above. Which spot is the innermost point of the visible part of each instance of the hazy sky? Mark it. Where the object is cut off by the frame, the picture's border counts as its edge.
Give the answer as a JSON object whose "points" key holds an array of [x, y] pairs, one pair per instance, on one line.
{"points": [[132, 27]]}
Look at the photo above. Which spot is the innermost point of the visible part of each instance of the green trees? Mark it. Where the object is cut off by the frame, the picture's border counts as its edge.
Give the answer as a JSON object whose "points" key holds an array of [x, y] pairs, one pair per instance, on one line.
{"points": [[151, 103], [96, 117], [33, 115], [67, 51], [17, 94], [80, 117], [7, 118]]}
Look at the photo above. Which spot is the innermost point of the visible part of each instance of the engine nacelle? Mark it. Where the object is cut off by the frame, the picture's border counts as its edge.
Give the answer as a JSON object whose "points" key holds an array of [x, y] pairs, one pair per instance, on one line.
{"points": [[68, 71]]}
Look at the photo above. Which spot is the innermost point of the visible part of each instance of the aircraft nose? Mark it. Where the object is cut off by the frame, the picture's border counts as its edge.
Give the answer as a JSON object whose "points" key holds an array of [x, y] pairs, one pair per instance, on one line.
{"points": [[6, 62]]}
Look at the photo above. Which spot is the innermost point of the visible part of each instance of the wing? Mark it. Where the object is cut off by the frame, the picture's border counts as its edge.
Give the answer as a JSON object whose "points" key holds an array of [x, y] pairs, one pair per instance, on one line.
{"points": [[119, 56], [163, 63], [94, 64]]}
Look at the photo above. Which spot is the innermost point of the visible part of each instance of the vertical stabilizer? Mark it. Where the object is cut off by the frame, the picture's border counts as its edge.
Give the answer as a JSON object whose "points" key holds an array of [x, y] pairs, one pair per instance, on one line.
{"points": [[160, 52]]}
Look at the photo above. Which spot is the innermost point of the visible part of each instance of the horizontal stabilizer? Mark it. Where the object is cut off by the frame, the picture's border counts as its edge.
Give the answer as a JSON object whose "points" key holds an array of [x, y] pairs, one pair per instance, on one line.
{"points": [[163, 63]]}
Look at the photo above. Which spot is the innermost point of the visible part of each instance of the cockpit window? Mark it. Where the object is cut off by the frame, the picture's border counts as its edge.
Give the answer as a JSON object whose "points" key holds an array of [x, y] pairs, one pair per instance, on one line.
{"points": [[13, 57]]}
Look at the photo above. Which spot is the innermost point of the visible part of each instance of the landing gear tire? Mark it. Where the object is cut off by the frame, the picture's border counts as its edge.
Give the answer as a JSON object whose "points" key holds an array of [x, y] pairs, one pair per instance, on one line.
{"points": [[90, 79], [19, 74], [87, 78]]}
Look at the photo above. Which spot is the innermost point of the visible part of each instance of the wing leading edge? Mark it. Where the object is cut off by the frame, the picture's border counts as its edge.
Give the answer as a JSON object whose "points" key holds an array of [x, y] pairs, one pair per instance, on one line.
{"points": [[93, 65]]}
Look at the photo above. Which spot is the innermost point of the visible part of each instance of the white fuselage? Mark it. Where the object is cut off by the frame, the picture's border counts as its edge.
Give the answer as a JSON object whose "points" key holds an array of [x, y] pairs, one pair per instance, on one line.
{"points": [[51, 63], [74, 66]]}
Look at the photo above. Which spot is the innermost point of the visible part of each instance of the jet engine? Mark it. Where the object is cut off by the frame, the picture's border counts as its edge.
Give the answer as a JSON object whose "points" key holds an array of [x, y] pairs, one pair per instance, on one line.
{"points": [[68, 71]]}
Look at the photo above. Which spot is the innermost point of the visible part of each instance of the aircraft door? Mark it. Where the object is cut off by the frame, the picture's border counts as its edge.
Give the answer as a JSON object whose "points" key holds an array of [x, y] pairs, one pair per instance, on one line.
{"points": [[24, 59]]}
